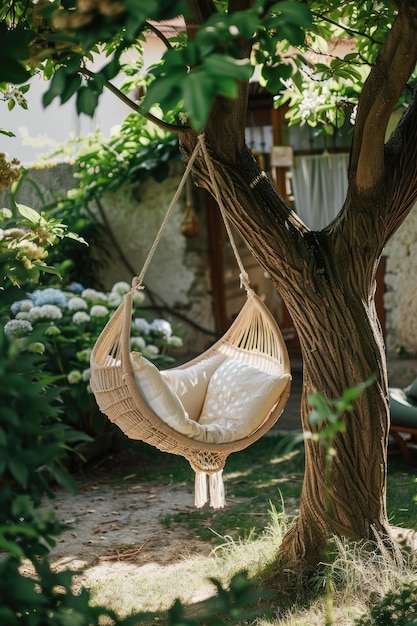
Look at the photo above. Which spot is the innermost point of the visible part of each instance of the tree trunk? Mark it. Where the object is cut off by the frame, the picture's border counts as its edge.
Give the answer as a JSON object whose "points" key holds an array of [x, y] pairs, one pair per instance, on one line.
{"points": [[341, 347], [326, 280]]}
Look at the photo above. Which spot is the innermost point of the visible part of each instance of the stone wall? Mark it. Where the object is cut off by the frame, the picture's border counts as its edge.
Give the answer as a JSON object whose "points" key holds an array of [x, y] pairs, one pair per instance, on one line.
{"points": [[401, 288]]}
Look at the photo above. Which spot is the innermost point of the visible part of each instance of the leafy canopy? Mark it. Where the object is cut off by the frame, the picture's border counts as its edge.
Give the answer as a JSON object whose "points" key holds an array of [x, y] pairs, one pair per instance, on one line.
{"points": [[287, 41]]}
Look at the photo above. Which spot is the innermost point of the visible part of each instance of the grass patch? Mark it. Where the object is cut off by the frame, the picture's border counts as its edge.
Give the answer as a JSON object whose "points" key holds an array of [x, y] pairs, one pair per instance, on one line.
{"points": [[360, 575], [402, 494], [264, 473]]}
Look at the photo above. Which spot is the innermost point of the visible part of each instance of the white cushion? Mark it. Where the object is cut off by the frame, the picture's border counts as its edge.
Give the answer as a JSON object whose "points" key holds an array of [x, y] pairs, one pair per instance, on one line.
{"points": [[239, 398], [158, 395], [190, 383]]}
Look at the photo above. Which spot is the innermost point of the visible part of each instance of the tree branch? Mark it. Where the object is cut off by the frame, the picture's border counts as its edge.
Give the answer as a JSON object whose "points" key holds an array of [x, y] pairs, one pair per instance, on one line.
{"points": [[382, 89], [159, 34], [174, 128]]}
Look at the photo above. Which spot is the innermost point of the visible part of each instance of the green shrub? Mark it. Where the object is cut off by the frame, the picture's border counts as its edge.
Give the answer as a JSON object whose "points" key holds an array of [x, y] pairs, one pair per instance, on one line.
{"points": [[396, 607], [64, 325]]}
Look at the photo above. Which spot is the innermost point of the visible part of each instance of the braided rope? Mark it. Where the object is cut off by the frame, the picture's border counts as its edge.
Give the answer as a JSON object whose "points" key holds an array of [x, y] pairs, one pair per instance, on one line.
{"points": [[244, 278], [137, 282]]}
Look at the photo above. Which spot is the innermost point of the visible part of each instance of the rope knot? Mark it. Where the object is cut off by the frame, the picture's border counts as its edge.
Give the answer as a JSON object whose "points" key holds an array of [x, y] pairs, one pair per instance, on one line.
{"points": [[137, 283], [244, 281]]}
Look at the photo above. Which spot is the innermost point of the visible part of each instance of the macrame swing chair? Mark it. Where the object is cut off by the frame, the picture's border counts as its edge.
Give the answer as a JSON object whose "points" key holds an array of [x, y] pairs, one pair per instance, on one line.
{"points": [[219, 402]]}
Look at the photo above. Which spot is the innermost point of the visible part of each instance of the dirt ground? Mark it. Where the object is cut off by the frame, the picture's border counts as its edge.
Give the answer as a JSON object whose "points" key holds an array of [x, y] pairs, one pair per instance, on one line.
{"points": [[110, 522]]}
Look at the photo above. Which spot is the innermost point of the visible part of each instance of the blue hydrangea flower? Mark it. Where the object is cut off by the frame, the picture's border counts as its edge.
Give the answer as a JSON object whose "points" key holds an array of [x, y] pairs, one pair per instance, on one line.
{"points": [[21, 306], [76, 287], [49, 296]]}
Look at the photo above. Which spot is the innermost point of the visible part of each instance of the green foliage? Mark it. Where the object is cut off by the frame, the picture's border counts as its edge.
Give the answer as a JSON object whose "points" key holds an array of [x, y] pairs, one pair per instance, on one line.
{"points": [[24, 242], [136, 150], [396, 607], [290, 41], [327, 415]]}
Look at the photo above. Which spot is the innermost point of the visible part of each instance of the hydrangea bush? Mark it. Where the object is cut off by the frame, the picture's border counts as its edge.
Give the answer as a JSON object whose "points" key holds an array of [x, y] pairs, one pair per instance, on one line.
{"points": [[65, 324]]}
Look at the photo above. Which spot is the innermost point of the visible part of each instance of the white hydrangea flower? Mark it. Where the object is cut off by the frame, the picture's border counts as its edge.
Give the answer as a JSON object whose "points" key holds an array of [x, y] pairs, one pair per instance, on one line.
{"points": [[77, 304], [35, 313], [18, 328], [114, 299], [137, 342], [161, 326], [50, 312], [121, 288], [74, 377], [94, 297], [80, 317], [175, 341], [86, 375], [23, 315], [46, 311], [98, 310], [141, 325], [138, 297], [151, 351]]}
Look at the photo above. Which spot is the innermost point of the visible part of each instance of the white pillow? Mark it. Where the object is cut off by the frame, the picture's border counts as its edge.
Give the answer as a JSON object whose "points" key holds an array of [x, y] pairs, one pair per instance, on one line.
{"points": [[190, 383], [162, 400], [239, 398], [222, 419]]}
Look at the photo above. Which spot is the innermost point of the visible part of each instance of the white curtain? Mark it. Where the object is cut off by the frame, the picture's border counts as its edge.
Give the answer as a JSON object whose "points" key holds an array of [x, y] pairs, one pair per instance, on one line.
{"points": [[319, 184]]}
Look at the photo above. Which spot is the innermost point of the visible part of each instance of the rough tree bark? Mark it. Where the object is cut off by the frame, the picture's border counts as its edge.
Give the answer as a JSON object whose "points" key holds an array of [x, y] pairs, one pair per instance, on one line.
{"points": [[327, 281]]}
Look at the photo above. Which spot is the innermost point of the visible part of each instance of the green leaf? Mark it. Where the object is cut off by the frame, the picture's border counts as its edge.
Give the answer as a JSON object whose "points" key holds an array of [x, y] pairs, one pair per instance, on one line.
{"points": [[12, 71], [198, 92], [227, 88], [19, 471], [160, 90], [274, 76], [30, 214], [57, 86], [72, 85], [8, 133], [227, 67], [87, 101]]}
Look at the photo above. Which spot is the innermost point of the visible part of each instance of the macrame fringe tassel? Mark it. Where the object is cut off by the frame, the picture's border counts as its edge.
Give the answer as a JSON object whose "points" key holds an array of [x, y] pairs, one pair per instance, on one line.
{"points": [[200, 493], [215, 487], [216, 490]]}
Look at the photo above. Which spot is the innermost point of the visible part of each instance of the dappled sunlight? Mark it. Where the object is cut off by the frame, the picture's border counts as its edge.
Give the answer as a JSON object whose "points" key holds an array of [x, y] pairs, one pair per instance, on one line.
{"points": [[285, 457]]}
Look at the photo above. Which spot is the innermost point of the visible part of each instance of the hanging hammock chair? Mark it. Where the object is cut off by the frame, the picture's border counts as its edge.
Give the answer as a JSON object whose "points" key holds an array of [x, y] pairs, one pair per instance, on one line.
{"points": [[220, 402]]}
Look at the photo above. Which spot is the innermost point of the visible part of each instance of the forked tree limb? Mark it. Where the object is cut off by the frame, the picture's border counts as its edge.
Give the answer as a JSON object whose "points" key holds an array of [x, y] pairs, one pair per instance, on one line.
{"points": [[382, 89]]}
